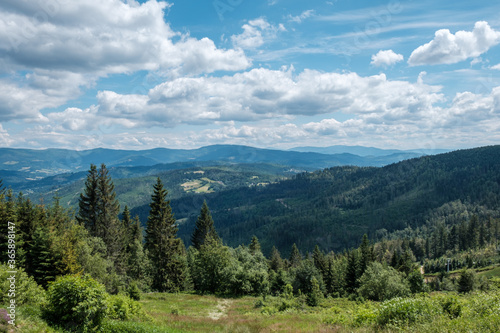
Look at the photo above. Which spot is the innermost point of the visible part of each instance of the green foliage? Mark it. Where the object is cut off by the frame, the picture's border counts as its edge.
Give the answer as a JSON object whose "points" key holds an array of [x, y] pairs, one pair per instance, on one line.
{"points": [[467, 281], [304, 274], [204, 227], [212, 266], [166, 251], [27, 291], [133, 291], [123, 308], [76, 302], [381, 283], [401, 312], [416, 282], [314, 296]]}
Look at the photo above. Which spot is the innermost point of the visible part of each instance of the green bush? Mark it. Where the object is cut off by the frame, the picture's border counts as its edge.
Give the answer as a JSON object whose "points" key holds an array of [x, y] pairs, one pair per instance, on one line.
{"points": [[27, 290], [401, 312], [76, 303], [379, 283], [122, 307], [133, 291], [452, 305]]}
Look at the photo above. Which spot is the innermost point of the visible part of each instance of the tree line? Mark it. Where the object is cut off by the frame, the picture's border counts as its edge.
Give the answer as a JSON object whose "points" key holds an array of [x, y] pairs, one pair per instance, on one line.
{"points": [[117, 251]]}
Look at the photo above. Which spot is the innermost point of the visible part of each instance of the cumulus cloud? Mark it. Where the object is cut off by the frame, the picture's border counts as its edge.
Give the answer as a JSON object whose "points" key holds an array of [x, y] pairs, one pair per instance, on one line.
{"points": [[261, 94], [65, 47], [448, 48], [386, 58], [256, 33], [497, 67]]}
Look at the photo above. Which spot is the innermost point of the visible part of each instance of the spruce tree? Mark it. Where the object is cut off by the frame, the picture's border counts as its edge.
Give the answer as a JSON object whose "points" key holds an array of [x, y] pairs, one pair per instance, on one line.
{"points": [[8, 222], [166, 252], [352, 271], [204, 226], [275, 261], [254, 245], [295, 256], [88, 203], [320, 261]]}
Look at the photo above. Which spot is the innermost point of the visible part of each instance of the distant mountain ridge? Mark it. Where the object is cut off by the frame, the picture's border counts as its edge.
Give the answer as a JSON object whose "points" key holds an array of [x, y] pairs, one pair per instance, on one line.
{"points": [[367, 151], [48, 162]]}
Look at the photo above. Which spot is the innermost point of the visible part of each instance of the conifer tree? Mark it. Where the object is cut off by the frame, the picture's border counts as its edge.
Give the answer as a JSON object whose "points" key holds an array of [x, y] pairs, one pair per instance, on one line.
{"points": [[43, 268], [275, 261], [108, 226], [254, 245], [204, 226], [295, 256], [7, 214], [88, 203], [320, 261], [352, 271], [166, 252]]}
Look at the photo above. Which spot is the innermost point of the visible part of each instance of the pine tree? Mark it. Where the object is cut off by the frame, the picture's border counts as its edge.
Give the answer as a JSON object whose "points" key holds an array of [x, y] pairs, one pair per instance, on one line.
{"points": [[352, 271], [366, 254], [295, 256], [8, 222], [88, 203], [275, 261], [166, 252], [204, 226], [254, 245], [108, 226], [44, 267], [138, 263], [320, 261]]}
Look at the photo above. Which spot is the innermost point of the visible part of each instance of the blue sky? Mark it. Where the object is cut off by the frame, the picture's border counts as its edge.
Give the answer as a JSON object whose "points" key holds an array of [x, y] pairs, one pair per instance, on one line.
{"points": [[83, 74]]}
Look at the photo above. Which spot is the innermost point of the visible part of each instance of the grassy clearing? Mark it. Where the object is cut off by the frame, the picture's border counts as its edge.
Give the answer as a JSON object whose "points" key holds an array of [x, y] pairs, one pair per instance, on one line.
{"points": [[174, 313]]}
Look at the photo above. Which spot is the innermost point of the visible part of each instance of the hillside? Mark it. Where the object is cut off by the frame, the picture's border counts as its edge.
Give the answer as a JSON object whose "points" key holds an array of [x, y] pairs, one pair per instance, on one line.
{"points": [[335, 206], [36, 164]]}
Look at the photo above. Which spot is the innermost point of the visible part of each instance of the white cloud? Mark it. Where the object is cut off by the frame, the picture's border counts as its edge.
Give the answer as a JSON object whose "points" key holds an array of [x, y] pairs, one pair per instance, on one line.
{"points": [[262, 94], [448, 48], [497, 67], [67, 46], [256, 33], [5, 139], [386, 58], [304, 15]]}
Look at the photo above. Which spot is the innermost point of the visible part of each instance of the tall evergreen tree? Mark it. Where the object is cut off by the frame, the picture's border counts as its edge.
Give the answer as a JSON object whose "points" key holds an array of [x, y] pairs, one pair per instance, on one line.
{"points": [[166, 251], [44, 267], [254, 245], [275, 260], [88, 203], [7, 214], [204, 226], [320, 261], [295, 256], [352, 271]]}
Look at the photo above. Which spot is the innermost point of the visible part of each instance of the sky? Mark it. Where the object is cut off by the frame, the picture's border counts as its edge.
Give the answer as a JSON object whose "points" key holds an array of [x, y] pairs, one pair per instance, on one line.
{"points": [[83, 74]]}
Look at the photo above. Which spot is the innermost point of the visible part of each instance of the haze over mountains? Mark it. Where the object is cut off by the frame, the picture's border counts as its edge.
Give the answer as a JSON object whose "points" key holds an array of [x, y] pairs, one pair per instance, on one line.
{"points": [[42, 163]]}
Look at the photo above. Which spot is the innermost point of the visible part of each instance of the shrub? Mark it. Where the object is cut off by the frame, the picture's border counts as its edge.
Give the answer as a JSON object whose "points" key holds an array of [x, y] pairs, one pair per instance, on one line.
{"points": [[452, 306], [27, 290], [467, 280], [380, 283], [404, 311], [133, 291], [122, 307], [76, 302]]}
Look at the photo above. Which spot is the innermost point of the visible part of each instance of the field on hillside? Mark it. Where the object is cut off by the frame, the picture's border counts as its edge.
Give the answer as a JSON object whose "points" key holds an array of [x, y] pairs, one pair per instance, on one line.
{"points": [[436, 312]]}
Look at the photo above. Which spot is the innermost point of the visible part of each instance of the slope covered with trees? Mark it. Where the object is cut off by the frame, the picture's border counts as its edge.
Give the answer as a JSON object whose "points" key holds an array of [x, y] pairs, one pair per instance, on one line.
{"points": [[335, 207]]}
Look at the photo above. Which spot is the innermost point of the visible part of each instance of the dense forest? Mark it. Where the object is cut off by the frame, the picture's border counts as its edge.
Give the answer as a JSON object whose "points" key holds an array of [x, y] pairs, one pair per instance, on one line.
{"points": [[386, 225]]}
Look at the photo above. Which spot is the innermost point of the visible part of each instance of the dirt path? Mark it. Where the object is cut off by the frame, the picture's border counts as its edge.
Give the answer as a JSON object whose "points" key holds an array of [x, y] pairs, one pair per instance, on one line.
{"points": [[220, 310]]}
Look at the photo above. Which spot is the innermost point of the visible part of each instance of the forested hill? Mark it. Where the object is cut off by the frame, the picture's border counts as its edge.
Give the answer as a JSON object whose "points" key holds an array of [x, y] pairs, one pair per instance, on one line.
{"points": [[334, 207]]}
